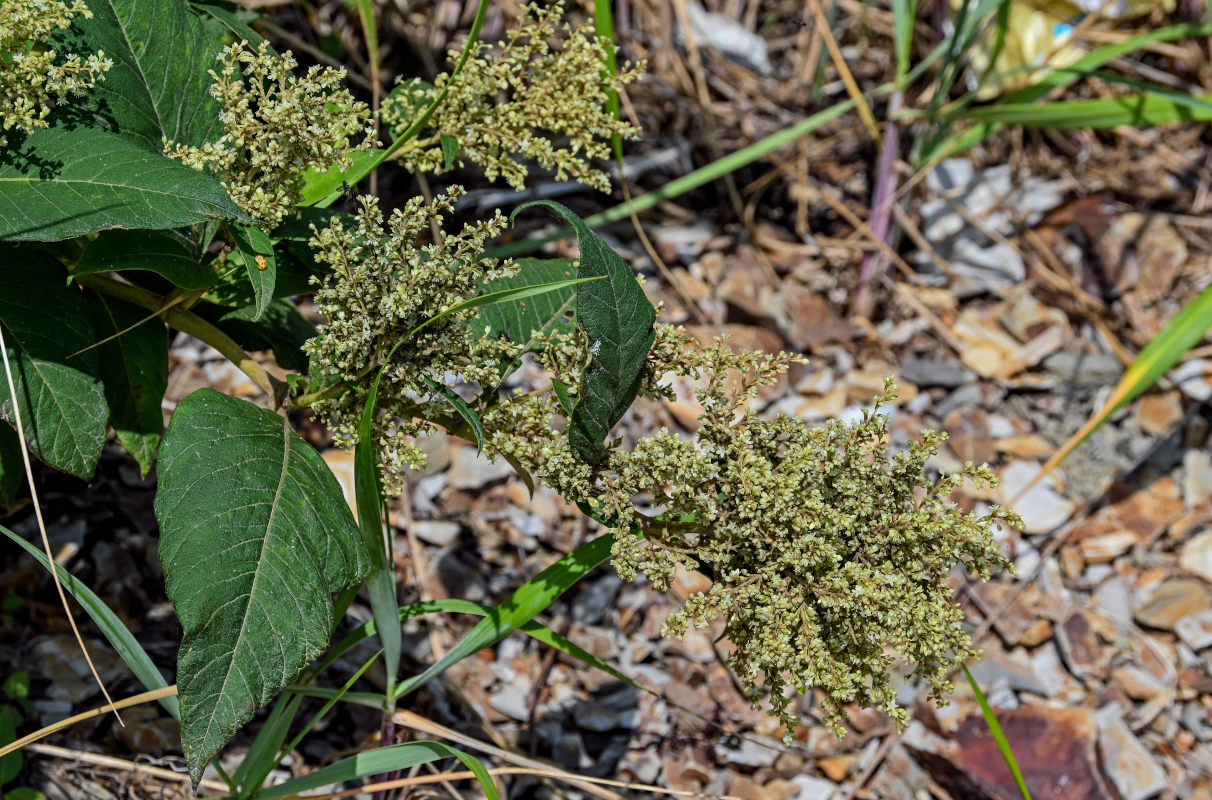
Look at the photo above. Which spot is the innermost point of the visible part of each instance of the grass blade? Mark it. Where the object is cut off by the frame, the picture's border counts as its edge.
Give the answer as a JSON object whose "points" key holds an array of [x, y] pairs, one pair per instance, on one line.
{"points": [[1059, 77], [1181, 333], [528, 601], [384, 759], [1140, 110], [999, 737], [119, 636]]}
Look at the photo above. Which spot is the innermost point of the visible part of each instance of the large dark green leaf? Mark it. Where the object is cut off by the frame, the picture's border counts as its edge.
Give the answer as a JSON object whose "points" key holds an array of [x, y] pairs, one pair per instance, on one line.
{"points": [[134, 369], [168, 253], [60, 183], [281, 329], [618, 319], [12, 469], [59, 394], [159, 85], [255, 539]]}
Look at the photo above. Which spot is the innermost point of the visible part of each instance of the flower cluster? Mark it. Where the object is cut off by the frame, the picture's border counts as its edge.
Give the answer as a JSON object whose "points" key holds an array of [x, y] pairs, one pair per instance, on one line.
{"points": [[510, 102], [276, 126], [828, 557], [33, 79], [383, 284]]}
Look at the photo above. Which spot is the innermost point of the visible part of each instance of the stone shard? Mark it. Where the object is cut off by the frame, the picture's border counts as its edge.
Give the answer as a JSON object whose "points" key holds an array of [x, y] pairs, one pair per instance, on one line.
{"points": [[1054, 748], [1126, 761]]}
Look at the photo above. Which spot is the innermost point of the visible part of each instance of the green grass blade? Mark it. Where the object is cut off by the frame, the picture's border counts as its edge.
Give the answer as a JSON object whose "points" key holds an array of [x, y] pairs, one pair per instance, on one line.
{"points": [[1060, 77], [383, 759], [603, 26], [319, 715], [381, 584], [119, 636], [904, 14], [1181, 333], [529, 600], [700, 177], [262, 755], [999, 737], [1138, 110]]}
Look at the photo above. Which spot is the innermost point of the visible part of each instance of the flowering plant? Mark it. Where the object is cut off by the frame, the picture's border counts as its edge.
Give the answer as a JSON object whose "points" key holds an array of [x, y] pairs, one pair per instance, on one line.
{"points": [[827, 555]]}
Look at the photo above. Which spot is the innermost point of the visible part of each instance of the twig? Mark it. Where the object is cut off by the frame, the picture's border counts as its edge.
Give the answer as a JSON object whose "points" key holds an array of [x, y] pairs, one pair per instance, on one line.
{"points": [[135, 700], [109, 762], [419, 723], [542, 773]]}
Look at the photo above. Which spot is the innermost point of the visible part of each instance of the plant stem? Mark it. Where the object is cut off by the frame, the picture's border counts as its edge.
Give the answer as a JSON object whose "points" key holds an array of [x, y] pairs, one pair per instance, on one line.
{"points": [[880, 220], [190, 323]]}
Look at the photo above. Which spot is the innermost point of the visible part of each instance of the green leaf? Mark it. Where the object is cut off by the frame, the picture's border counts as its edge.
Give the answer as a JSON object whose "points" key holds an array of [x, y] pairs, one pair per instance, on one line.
{"points": [[450, 150], [118, 635], [24, 793], [234, 290], [999, 737], [562, 393], [10, 765], [60, 396], [60, 183], [318, 186], [12, 469], [228, 22], [16, 686], [259, 262], [167, 253], [461, 408], [281, 329], [159, 85], [530, 600], [255, 538], [134, 370], [521, 319], [618, 319], [380, 760]]}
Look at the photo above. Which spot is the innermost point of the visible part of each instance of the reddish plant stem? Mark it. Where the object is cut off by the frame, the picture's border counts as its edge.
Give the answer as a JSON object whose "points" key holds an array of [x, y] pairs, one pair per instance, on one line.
{"points": [[880, 221]]}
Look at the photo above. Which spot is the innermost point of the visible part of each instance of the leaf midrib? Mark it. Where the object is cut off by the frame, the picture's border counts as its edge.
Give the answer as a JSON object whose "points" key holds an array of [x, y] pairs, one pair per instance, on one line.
{"points": [[252, 590]]}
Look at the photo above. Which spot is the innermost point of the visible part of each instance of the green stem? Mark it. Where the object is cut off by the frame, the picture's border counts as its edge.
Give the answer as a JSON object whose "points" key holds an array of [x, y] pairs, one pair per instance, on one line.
{"points": [[186, 322]]}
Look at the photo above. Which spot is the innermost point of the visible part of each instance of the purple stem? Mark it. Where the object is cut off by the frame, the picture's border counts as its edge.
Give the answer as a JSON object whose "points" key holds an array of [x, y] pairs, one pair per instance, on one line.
{"points": [[880, 219], [388, 738]]}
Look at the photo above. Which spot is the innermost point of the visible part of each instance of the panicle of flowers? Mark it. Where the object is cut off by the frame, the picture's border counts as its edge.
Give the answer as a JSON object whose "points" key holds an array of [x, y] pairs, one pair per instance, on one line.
{"points": [[514, 102], [276, 126], [34, 79], [829, 557], [384, 283]]}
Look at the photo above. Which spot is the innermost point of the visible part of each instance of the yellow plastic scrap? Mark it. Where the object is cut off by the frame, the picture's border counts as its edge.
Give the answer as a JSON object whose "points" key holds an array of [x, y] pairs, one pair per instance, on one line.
{"points": [[1038, 39]]}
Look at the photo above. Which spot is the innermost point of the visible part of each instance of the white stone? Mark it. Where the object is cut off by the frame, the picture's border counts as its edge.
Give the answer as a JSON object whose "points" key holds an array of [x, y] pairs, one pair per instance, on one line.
{"points": [[1196, 555]]}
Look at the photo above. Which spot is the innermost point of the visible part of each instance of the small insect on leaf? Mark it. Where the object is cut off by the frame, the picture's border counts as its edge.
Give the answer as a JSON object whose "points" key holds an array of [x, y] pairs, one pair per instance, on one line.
{"points": [[261, 262]]}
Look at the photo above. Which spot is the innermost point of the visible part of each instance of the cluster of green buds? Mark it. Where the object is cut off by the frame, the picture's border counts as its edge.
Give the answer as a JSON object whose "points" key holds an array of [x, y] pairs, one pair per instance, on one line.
{"points": [[33, 78], [513, 101], [828, 557], [276, 127]]}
